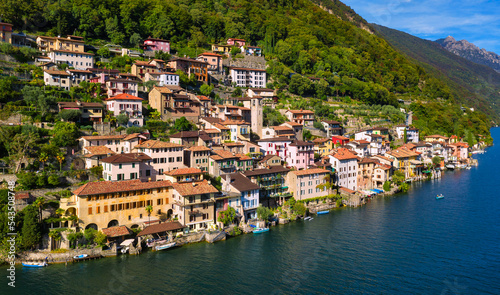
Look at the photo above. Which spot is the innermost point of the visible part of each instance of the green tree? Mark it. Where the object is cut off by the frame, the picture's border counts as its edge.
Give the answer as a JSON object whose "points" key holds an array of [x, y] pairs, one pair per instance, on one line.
{"points": [[135, 40], [31, 233], [54, 180], [307, 134], [264, 213], [206, 89], [387, 186], [43, 158], [237, 92], [405, 138], [235, 50], [149, 209], [122, 119], [436, 161], [227, 216], [65, 134], [100, 238], [60, 158], [182, 124], [70, 115], [90, 235], [104, 52]]}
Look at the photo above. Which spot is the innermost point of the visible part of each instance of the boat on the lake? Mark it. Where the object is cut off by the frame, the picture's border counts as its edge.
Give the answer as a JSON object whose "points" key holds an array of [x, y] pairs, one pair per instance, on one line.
{"points": [[308, 218], [323, 212], [259, 230], [440, 196], [165, 246], [468, 167], [35, 264], [450, 166], [81, 256]]}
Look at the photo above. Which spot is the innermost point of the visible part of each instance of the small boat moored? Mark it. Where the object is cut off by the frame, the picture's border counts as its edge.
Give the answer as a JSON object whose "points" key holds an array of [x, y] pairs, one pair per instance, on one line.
{"points": [[450, 166], [259, 230], [323, 212], [35, 264], [308, 218], [440, 196], [81, 256], [165, 246]]}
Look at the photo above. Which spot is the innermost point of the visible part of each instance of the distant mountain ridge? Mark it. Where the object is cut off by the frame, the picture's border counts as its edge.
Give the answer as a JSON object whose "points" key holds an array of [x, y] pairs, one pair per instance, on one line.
{"points": [[471, 52]]}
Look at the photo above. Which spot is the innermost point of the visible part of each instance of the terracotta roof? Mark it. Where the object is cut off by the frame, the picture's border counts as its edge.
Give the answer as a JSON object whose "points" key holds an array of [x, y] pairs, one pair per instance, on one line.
{"points": [[343, 154], [116, 231], [243, 157], [321, 140], [160, 228], [53, 72], [103, 137], [268, 157], [233, 144], [99, 150], [203, 98], [157, 144], [194, 188], [183, 171], [22, 195], [282, 128], [300, 111], [224, 154], [124, 96], [105, 187], [80, 71], [292, 124], [261, 89], [132, 135], [340, 137], [235, 122], [188, 134], [345, 189], [126, 158], [242, 183], [309, 171], [212, 131], [383, 166], [384, 158], [247, 69], [143, 63], [367, 161], [210, 54], [301, 143], [402, 153], [436, 136], [275, 139], [199, 148]]}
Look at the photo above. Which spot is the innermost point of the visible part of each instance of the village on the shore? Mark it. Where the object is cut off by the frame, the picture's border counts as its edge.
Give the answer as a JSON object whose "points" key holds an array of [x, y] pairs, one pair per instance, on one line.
{"points": [[229, 173]]}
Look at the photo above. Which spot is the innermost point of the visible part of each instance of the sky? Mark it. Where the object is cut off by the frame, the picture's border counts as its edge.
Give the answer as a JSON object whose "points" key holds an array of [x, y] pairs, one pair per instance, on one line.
{"points": [[477, 21]]}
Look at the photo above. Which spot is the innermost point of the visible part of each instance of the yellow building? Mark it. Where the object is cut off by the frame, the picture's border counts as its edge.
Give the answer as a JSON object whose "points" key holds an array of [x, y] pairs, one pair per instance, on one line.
{"points": [[221, 48], [105, 204], [6, 32], [405, 161], [323, 146], [70, 43]]}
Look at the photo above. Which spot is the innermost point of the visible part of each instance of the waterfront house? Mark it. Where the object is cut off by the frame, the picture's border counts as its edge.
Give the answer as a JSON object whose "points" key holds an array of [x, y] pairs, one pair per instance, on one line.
{"points": [[127, 104], [166, 156], [346, 167], [272, 183], [105, 204], [248, 191], [381, 174], [197, 157], [247, 77], [194, 204], [127, 167], [303, 117], [406, 161], [366, 171], [304, 184]]}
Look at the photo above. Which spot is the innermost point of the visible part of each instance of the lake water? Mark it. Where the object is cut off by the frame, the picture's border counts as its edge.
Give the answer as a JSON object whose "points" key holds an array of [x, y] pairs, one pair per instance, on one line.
{"points": [[404, 244]]}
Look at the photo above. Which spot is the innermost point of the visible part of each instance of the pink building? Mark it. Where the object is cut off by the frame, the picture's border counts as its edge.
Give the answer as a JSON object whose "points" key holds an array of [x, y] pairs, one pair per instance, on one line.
{"points": [[127, 166], [275, 146], [116, 86], [300, 154], [214, 61], [127, 104], [116, 143], [166, 156], [236, 42], [154, 44]]}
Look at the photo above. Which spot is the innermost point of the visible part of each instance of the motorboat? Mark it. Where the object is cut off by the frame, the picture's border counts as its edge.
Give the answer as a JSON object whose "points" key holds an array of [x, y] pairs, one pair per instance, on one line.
{"points": [[323, 212], [35, 264], [450, 166], [81, 256], [440, 196], [308, 218], [259, 230], [165, 246]]}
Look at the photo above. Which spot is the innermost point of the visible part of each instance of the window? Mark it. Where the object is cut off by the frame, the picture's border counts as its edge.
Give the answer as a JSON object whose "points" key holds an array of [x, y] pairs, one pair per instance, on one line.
{"points": [[133, 165], [98, 209], [90, 210], [105, 208], [119, 166], [148, 172]]}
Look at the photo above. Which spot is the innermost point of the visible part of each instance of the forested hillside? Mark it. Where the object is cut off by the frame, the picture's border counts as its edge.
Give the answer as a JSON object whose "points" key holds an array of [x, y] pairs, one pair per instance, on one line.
{"points": [[297, 36], [471, 83]]}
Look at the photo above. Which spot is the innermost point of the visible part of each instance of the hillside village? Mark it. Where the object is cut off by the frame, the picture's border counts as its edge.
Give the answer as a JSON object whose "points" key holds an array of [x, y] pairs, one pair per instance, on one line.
{"points": [[169, 146]]}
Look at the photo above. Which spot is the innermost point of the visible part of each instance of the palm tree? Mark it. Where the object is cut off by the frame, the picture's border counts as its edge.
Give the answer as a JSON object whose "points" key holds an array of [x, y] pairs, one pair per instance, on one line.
{"points": [[149, 209], [60, 159], [40, 203], [43, 158]]}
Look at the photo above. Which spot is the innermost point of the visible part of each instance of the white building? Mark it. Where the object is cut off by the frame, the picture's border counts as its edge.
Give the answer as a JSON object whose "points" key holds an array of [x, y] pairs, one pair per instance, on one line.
{"points": [[346, 167], [163, 78], [412, 134], [77, 60], [244, 77]]}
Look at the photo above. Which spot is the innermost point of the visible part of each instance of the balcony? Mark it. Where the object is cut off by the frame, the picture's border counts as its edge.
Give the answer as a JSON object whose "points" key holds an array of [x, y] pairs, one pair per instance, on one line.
{"points": [[227, 166]]}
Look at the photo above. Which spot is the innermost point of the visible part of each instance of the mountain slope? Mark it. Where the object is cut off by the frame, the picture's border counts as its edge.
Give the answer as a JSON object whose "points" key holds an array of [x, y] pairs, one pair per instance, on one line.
{"points": [[471, 52], [469, 82]]}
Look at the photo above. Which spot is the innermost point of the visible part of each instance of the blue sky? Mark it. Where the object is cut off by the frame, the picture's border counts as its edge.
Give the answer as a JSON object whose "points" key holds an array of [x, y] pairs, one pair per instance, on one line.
{"points": [[477, 21]]}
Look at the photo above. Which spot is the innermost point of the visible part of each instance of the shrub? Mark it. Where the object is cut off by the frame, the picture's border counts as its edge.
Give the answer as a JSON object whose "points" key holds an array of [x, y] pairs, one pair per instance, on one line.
{"points": [[387, 186]]}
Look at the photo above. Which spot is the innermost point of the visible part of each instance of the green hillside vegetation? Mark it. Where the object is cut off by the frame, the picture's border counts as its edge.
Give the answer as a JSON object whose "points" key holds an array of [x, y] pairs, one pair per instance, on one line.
{"points": [[472, 84]]}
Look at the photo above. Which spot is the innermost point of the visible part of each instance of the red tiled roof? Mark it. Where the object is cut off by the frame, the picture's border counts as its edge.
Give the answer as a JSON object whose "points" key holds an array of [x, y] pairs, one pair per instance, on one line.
{"points": [[210, 54], [53, 72], [105, 187], [157, 144], [116, 231], [183, 171], [343, 154], [345, 189], [98, 150], [300, 111], [160, 228], [200, 148], [125, 96], [194, 188]]}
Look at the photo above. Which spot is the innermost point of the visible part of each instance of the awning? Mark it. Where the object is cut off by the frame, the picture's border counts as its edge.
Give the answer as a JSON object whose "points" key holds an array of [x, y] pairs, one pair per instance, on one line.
{"points": [[416, 162], [127, 242]]}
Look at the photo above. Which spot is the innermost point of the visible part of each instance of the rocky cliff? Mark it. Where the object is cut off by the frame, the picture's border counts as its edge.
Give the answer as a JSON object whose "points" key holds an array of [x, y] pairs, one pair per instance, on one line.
{"points": [[469, 51]]}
